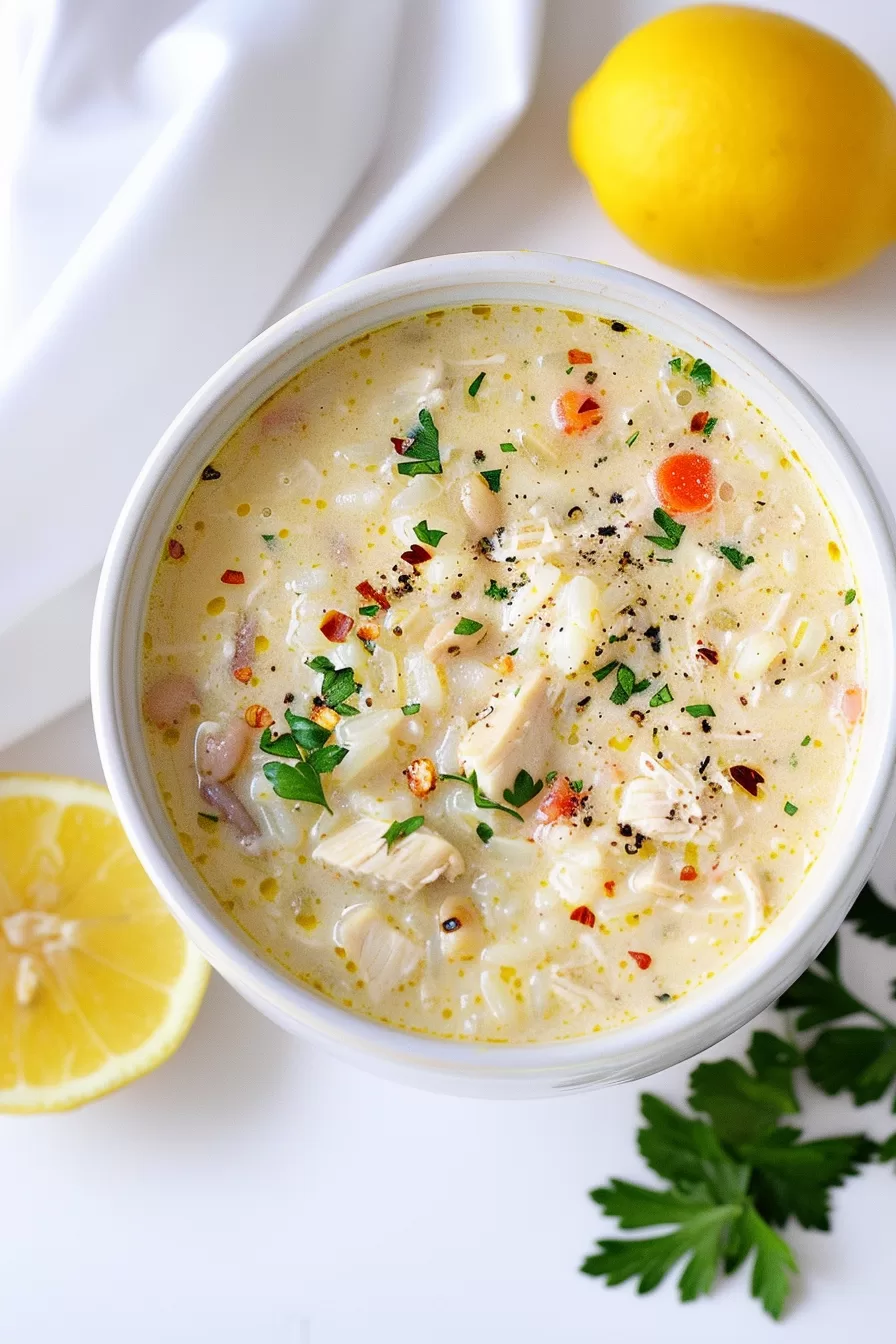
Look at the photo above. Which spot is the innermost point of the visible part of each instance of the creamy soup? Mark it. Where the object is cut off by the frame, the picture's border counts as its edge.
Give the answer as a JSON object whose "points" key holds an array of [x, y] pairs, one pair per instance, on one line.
{"points": [[502, 674]]}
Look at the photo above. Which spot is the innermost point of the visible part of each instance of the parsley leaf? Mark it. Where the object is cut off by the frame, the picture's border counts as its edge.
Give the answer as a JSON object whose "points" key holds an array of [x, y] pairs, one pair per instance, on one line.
{"points": [[700, 711], [422, 448], [305, 744], [742, 1106], [284, 745], [492, 479], [484, 831], [673, 532], [299, 782], [337, 686], [430, 536], [525, 788], [710, 425], [476, 384], [632, 439], [370, 611], [400, 829], [479, 798], [662, 697], [849, 597], [701, 374], [675, 364], [465, 626], [508, 448], [605, 671], [306, 733], [794, 1180], [410, 709], [497, 592], [736, 557]]}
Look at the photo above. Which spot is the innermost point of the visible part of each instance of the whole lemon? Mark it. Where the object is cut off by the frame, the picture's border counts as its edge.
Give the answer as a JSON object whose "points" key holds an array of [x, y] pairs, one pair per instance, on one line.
{"points": [[741, 145]]}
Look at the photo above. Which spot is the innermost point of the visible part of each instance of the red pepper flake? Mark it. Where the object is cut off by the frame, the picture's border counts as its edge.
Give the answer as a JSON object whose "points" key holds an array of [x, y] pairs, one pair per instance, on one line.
{"points": [[589, 404], [417, 555], [641, 959], [578, 357], [707, 653], [233, 576], [243, 674], [336, 627], [688, 873], [748, 778], [371, 594], [699, 421], [175, 550], [610, 888], [582, 915], [400, 445]]}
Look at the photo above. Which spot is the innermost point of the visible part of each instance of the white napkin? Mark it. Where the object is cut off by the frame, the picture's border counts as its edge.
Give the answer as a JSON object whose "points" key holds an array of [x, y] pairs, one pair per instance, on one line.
{"points": [[186, 173]]}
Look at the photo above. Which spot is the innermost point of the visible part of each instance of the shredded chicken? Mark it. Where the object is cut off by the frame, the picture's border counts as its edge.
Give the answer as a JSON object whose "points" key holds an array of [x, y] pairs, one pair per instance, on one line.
{"points": [[664, 804], [416, 861], [384, 957], [513, 736]]}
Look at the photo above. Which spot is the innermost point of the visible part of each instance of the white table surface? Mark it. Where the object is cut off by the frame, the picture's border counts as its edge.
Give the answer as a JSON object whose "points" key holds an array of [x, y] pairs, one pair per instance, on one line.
{"points": [[254, 1188]]}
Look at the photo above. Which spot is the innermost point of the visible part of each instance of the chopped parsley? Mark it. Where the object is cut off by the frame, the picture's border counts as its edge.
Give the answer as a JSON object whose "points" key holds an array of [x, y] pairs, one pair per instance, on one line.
{"points": [[736, 557], [370, 611], [479, 798], [525, 788], [484, 831], [701, 374], [673, 532], [805, 742], [410, 709], [337, 686], [605, 671], [497, 592], [430, 536], [399, 830], [492, 479], [476, 383], [576, 785], [305, 745], [507, 448], [791, 809], [626, 685], [675, 364], [268, 537], [662, 697], [700, 711], [467, 627], [422, 448], [208, 816], [632, 438], [849, 596], [710, 425]]}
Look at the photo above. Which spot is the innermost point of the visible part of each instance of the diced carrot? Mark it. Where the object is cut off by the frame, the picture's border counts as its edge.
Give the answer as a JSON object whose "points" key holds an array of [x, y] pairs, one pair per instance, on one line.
{"points": [[684, 483], [578, 356], [576, 412], [233, 576], [852, 704]]}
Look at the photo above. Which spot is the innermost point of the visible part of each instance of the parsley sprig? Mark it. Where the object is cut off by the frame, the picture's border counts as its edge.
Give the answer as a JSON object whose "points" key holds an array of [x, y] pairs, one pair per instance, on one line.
{"points": [[306, 746], [731, 1180], [672, 531], [337, 687], [480, 799]]}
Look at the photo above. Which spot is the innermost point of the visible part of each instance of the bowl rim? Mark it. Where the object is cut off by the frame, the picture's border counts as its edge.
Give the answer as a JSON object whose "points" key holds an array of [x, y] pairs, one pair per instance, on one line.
{"points": [[633, 1049]]}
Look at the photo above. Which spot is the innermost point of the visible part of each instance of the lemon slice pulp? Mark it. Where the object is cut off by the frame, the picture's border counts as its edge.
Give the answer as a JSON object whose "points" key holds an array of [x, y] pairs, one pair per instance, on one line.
{"points": [[98, 984]]}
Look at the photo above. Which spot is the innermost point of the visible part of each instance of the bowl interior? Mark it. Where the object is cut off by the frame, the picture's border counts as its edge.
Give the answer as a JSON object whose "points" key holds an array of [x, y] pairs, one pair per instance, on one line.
{"points": [[762, 970]]}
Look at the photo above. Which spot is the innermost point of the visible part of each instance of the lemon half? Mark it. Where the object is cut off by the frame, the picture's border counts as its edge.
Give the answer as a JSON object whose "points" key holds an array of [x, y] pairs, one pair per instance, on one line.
{"points": [[98, 984]]}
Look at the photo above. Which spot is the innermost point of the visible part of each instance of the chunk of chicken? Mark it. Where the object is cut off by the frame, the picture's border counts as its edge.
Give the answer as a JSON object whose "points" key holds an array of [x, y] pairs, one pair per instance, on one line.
{"points": [[514, 735], [664, 804], [360, 850], [384, 957]]}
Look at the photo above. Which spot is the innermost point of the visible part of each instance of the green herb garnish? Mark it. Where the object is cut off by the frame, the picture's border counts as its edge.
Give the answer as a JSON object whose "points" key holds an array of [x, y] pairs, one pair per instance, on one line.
{"points": [[701, 374], [700, 711], [497, 592], [576, 785], [673, 532], [736, 557], [525, 788], [675, 364], [467, 627], [421, 454], [305, 744], [410, 709], [710, 425], [605, 671], [662, 697], [337, 686], [479, 798], [492, 479], [626, 685], [484, 831], [805, 742], [508, 448], [476, 384], [369, 611], [299, 783], [849, 597], [399, 830], [631, 439], [268, 537], [430, 536], [791, 809]]}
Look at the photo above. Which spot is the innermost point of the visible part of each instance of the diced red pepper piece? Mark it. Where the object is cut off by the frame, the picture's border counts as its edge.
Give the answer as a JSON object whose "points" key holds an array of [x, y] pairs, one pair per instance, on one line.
{"points": [[582, 915], [233, 576], [641, 959], [336, 626], [371, 594], [699, 421], [684, 483], [561, 800], [578, 356], [417, 555], [688, 873]]}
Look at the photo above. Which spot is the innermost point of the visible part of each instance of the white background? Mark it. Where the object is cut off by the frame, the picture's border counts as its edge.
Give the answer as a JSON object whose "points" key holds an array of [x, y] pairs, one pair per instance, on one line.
{"points": [[255, 1189]]}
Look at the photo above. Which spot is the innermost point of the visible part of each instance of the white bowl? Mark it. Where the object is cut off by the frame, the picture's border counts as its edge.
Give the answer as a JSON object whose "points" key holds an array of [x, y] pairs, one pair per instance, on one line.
{"points": [[764, 969]]}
